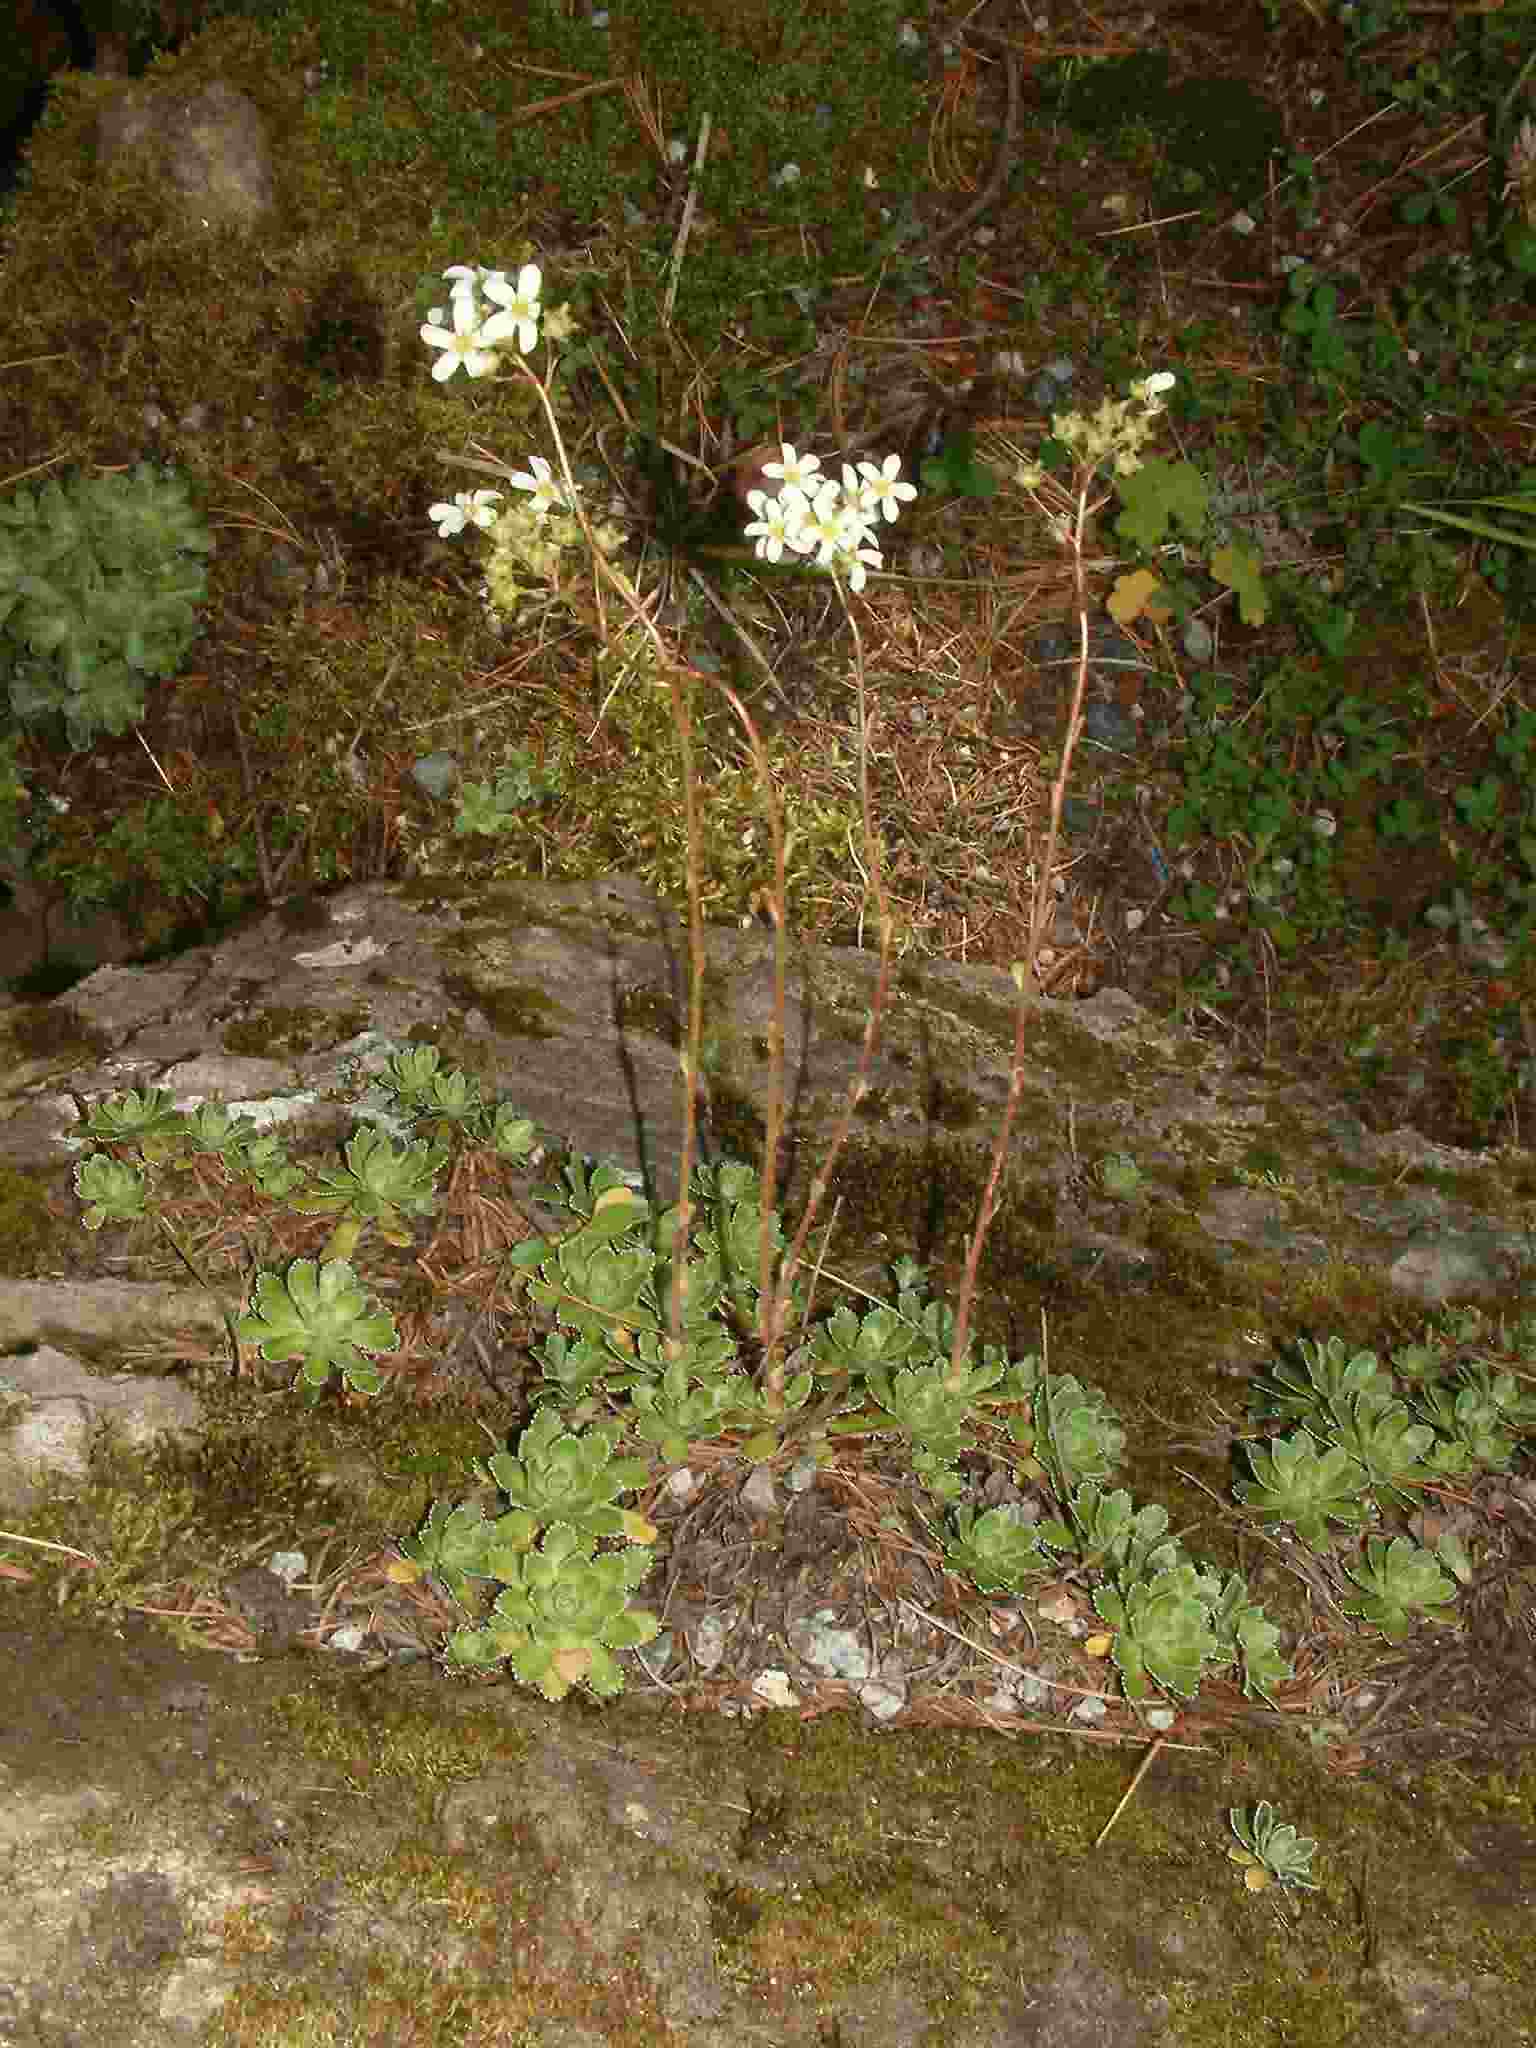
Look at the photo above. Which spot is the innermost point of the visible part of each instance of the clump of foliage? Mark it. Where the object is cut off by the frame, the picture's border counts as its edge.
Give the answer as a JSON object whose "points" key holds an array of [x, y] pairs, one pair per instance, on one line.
{"points": [[100, 583], [649, 1351]]}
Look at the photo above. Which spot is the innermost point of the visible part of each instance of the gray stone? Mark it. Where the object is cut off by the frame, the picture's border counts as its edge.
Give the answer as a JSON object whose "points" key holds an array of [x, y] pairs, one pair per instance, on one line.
{"points": [[52, 1411], [211, 147], [103, 1317], [1434, 1273], [619, 1854]]}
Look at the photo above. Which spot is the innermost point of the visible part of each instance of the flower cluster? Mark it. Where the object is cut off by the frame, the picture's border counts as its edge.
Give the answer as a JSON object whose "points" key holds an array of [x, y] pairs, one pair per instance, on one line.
{"points": [[834, 520], [472, 342], [528, 540], [1114, 430]]}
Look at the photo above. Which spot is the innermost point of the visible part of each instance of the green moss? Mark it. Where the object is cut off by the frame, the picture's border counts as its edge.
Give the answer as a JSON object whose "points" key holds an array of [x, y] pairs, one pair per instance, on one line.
{"points": [[349, 1726], [515, 1010], [283, 1032], [951, 1107], [923, 1199], [52, 1034], [736, 1123], [33, 1238]]}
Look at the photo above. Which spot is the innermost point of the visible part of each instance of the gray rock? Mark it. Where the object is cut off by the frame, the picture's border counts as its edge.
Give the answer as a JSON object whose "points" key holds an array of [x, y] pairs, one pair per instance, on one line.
{"points": [[211, 147], [52, 1410]]}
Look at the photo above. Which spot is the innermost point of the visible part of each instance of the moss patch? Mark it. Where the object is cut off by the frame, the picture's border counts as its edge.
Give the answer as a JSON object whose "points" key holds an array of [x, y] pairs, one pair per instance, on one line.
{"points": [[34, 1236], [515, 1010], [285, 1033]]}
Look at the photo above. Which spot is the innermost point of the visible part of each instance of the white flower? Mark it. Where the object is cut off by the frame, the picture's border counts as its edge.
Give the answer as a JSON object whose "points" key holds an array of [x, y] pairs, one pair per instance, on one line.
{"points": [[463, 344], [854, 562], [824, 526], [473, 508], [776, 523], [856, 519], [796, 472], [547, 489], [521, 304], [466, 280], [881, 487], [1150, 389]]}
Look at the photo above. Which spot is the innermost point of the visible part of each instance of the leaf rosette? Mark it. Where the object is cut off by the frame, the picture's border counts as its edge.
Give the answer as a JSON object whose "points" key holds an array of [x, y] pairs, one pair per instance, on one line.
{"points": [[1270, 1850], [1398, 1580], [1295, 1481], [559, 1475], [112, 1191], [381, 1183], [558, 1622], [999, 1551], [319, 1314], [1163, 1630]]}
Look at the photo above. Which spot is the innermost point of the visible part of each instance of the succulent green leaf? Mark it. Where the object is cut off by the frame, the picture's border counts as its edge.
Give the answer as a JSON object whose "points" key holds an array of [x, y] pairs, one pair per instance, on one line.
{"points": [[560, 1617], [702, 1351], [455, 1544], [1078, 1435], [672, 1413], [570, 1477], [1398, 1580], [1379, 1432], [265, 1163], [319, 1315], [583, 1184], [514, 1137], [381, 1180], [114, 1191], [1271, 1846], [595, 1288], [211, 1128], [856, 1345], [1244, 1633], [1163, 1630], [423, 1087], [1320, 1384], [934, 1405], [128, 1118], [1115, 1535], [1296, 1481], [574, 1365], [999, 1551], [1479, 1419]]}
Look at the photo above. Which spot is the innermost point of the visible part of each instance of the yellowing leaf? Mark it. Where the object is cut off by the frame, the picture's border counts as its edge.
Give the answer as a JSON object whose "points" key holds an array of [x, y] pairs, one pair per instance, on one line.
{"points": [[572, 1664], [1132, 595], [401, 1571], [1098, 1646], [1241, 569]]}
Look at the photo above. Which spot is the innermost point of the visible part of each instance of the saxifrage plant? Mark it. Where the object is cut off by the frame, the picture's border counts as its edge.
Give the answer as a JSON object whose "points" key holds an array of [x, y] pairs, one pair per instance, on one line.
{"points": [[101, 579]]}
